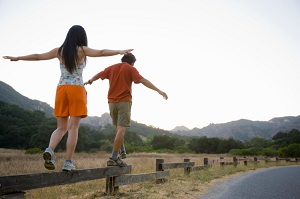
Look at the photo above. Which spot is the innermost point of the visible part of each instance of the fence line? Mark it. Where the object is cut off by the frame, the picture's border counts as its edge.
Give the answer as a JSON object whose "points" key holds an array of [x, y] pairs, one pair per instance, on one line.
{"points": [[245, 160], [13, 186]]}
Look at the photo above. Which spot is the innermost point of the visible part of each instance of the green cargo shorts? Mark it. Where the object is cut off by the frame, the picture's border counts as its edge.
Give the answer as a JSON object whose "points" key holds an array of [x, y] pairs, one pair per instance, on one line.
{"points": [[120, 113]]}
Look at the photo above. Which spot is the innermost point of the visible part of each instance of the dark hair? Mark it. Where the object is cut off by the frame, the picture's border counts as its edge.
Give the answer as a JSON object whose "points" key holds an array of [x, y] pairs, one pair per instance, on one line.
{"points": [[129, 58], [75, 38]]}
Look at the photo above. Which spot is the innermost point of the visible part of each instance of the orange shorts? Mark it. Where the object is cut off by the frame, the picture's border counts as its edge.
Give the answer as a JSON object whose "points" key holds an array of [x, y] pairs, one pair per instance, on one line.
{"points": [[70, 100]]}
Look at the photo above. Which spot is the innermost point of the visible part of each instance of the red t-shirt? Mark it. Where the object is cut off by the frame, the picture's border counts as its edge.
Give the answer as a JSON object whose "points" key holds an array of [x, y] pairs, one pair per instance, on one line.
{"points": [[120, 78]]}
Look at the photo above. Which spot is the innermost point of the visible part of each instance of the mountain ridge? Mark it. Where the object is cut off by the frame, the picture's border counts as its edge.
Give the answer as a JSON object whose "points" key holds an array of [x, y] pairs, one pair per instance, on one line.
{"points": [[242, 129]]}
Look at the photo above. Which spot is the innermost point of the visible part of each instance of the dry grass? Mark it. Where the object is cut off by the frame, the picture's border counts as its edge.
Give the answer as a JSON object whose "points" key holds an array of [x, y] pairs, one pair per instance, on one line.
{"points": [[178, 185]]}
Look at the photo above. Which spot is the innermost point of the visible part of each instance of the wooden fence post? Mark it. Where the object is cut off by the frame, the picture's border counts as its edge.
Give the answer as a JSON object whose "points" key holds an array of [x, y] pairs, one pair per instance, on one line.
{"points": [[187, 170], [159, 163], [245, 161], [235, 161], [111, 189], [205, 162], [255, 160], [222, 163]]}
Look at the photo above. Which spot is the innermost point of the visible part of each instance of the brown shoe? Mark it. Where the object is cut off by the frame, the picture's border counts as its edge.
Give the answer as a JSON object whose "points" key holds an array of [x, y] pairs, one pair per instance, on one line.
{"points": [[117, 162]]}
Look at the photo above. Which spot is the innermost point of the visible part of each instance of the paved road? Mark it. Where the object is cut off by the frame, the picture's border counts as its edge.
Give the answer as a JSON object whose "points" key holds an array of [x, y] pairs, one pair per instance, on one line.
{"points": [[271, 183]]}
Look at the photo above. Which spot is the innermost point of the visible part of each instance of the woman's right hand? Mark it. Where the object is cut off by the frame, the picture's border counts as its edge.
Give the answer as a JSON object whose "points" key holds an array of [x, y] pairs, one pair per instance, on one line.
{"points": [[11, 58], [124, 52]]}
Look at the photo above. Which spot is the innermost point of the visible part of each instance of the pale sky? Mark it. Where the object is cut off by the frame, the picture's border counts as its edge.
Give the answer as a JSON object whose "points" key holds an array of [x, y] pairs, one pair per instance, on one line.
{"points": [[218, 60]]}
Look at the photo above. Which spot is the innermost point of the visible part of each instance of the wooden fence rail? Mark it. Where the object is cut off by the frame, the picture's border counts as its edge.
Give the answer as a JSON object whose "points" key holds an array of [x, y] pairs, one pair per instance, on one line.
{"points": [[13, 186], [245, 160], [160, 176]]}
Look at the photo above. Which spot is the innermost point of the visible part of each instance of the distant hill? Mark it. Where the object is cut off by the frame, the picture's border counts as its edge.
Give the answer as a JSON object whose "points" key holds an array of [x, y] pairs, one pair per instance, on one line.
{"points": [[142, 129], [245, 129], [241, 129], [96, 121], [180, 128], [10, 96]]}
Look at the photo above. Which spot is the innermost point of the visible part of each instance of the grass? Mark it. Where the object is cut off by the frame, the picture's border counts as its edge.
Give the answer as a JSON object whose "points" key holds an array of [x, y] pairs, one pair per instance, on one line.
{"points": [[179, 185]]}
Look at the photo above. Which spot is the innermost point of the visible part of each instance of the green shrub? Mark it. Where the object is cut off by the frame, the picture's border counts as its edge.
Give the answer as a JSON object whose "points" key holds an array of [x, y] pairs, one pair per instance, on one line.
{"points": [[252, 151], [183, 149], [268, 152], [106, 145], [164, 151], [237, 152], [292, 151], [133, 148], [33, 151], [246, 152]]}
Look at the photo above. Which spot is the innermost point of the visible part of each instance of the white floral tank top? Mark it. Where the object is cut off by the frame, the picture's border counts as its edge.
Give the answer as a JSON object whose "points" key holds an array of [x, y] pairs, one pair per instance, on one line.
{"points": [[75, 78]]}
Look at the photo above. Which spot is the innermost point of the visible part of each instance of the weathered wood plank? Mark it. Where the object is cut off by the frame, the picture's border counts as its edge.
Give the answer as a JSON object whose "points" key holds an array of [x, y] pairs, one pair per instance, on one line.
{"points": [[136, 178], [177, 165], [13, 183], [242, 159]]}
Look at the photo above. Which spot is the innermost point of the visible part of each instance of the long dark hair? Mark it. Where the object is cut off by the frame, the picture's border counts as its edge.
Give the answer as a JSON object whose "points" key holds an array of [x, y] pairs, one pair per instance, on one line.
{"points": [[75, 38]]}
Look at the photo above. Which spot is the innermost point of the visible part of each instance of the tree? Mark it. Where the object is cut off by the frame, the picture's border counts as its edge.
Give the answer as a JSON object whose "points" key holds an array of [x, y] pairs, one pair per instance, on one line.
{"points": [[18, 125], [279, 135], [83, 139], [162, 142], [133, 138], [214, 145], [94, 138], [193, 145], [257, 142], [284, 139], [200, 145], [292, 151], [42, 137], [294, 136], [106, 145]]}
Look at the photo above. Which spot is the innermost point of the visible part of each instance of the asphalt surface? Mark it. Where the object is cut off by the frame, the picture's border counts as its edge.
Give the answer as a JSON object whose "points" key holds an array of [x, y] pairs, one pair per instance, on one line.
{"points": [[271, 183]]}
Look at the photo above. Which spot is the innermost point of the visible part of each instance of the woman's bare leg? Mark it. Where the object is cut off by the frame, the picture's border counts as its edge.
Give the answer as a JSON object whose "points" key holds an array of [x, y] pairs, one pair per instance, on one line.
{"points": [[73, 127], [58, 134]]}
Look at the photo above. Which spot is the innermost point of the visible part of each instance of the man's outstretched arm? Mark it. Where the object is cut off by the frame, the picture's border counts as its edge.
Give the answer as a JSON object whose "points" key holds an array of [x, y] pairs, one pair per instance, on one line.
{"points": [[148, 84]]}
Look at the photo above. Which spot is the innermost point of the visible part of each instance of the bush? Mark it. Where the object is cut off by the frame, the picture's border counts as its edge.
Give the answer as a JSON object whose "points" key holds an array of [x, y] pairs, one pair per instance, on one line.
{"points": [[133, 148], [183, 149], [252, 151], [164, 151], [292, 151], [268, 152], [106, 145], [33, 151], [245, 152], [237, 152]]}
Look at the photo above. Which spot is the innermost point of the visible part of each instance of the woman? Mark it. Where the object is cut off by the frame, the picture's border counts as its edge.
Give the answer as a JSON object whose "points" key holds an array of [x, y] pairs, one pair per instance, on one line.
{"points": [[71, 99]]}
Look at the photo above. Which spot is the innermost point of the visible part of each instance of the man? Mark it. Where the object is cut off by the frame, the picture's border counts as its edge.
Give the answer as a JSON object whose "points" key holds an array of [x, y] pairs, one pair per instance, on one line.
{"points": [[120, 78]]}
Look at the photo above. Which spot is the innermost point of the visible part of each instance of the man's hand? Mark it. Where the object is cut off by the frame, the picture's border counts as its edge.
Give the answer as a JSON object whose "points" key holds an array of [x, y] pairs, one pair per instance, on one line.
{"points": [[163, 94], [88, 82]]}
